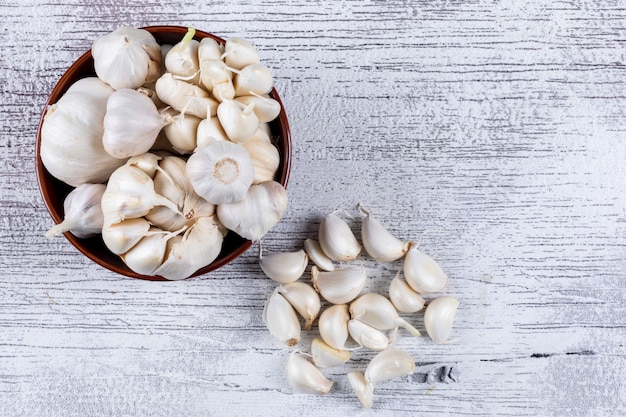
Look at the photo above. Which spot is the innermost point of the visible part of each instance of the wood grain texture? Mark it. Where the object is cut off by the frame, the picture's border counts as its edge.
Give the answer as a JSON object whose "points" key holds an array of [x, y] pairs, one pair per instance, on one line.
{"points": [[493, 130]]}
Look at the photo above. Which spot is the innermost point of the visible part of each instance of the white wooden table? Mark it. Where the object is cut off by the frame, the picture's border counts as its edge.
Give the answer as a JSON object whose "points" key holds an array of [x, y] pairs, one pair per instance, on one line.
{"points": [[495, 129]]}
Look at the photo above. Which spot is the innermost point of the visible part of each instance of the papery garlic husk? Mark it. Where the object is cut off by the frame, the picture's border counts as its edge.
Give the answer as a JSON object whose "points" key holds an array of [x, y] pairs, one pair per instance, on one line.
{"points": [[239, 53], [377, 311], [368, 336], [122, 236], [185, 97], [253, 79], [337, 240], [403, 297], [148, 254], [281, 320], [304, 377], [439, 317], [147, 162], [326, 356], [379, 243], [284, 267], [71, 135], [198, 247], [209, 49], [265, 108], [259, 211], [127, 57], [82, 212], [238, 121], [389, 364], [182, 131], [363, 389], [209, 130], [182, 58], [341, 285], [265, 158], [131, 123], [304, 299], [317, 255], [423, 273], [221, 172], [333, 326]]}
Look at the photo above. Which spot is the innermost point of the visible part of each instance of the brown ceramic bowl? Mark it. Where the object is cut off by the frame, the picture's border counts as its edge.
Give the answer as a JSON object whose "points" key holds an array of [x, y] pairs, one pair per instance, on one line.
{"points": [[55, 191]]}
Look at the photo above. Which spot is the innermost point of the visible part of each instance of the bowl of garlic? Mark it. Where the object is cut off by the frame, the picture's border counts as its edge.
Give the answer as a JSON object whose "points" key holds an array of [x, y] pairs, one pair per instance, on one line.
{"points": [[163, 152]]}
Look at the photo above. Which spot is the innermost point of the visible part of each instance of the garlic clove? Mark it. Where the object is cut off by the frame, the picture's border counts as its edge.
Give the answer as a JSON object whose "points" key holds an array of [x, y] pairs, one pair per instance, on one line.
{"points": [[337, 240], [284, 267], [265, 158], [147, 162], [379, 243], [253, 79], [389, 364], [165, 219], [185, 97], [182, 131], [305, 377], [304, 299], [439, 317], [377, 311], [326, 356], [221, 172], [317, 255], [259, 211], [341, 285], [422, 273], [367, 336], [152, 95], [148, 254], [209, 130], [265, 108], [403, 297], [209, 49], [217, 78], [82, 212], [122, 236], [239, 53], [281, 320], [363, 389], [238, 121], [333, 326], [182, 58]]}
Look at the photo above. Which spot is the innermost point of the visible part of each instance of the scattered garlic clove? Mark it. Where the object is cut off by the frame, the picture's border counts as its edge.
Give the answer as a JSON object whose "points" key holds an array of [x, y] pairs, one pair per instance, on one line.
{"points": [[265, 158], [377, 311], [209, 130], [403, 297], [184, 97], [253, 79], [367, 336], [182, 131], [182, 58], [284, 267], [333, 326], [122, 236], [238, 121], [363, 389], [422, 273], [281, 320], [326, 356], [379, 243], [341, 285], [337, 240], [305, 377], [82, 212], [317, 255], [389, 364], [239, 53], [439, 317], [304, 299], [265, 108]]}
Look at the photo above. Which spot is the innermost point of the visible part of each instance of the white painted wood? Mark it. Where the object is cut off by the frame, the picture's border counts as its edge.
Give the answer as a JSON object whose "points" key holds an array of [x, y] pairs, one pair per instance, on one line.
{"points": [[492, 130]]}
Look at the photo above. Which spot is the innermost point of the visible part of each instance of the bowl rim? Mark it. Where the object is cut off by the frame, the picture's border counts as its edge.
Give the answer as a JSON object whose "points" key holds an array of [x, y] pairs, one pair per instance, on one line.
{"points": [[68, 78]]}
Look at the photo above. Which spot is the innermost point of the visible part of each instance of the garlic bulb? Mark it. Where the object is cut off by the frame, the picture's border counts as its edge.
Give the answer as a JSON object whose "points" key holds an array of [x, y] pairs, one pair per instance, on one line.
{"points": [[304, 299], [422, 273], [333, 326], [284, 267], [304, 377], [82, 212], [341, 285], [184, 97], [127, 58], [253, 79], [377, 311], [389, 364], [238, 121], [221, 172], [182, 58], [367, 336], [317, 255], [363, 389], [71, 135], [439, 317], [281, 320], [265, 158], [403, 297], [259, 211], [326, 356], [239, 53], [131, 123], [182, 131], [337, 240], [120, 237], [379, 243], [209, 130], [265, 108]]}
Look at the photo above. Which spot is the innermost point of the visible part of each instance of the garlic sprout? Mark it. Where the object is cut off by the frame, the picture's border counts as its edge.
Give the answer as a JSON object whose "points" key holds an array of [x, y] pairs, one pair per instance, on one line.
{"points": [[182, 58], [82, 212]]}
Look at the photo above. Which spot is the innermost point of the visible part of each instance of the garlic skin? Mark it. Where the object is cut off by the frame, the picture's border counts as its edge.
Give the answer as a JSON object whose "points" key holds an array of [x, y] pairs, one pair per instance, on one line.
{"points": [[281, 320], [377, 311], [439, 317], [265, 158], [304, 299], [284, 267], [389, 364], [379, 243], [337, 240], [367, 336], [325, 356], [126, 136], [422, 273], [182, 58], [238, 121], [341, 285], [184, 97], [304, 377], [82, 212], [403, 297], [317, 255], [239, 53], [253, 79], [363, 389], [120, 237], [333, 326], [259, 211], [127, 58]]}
